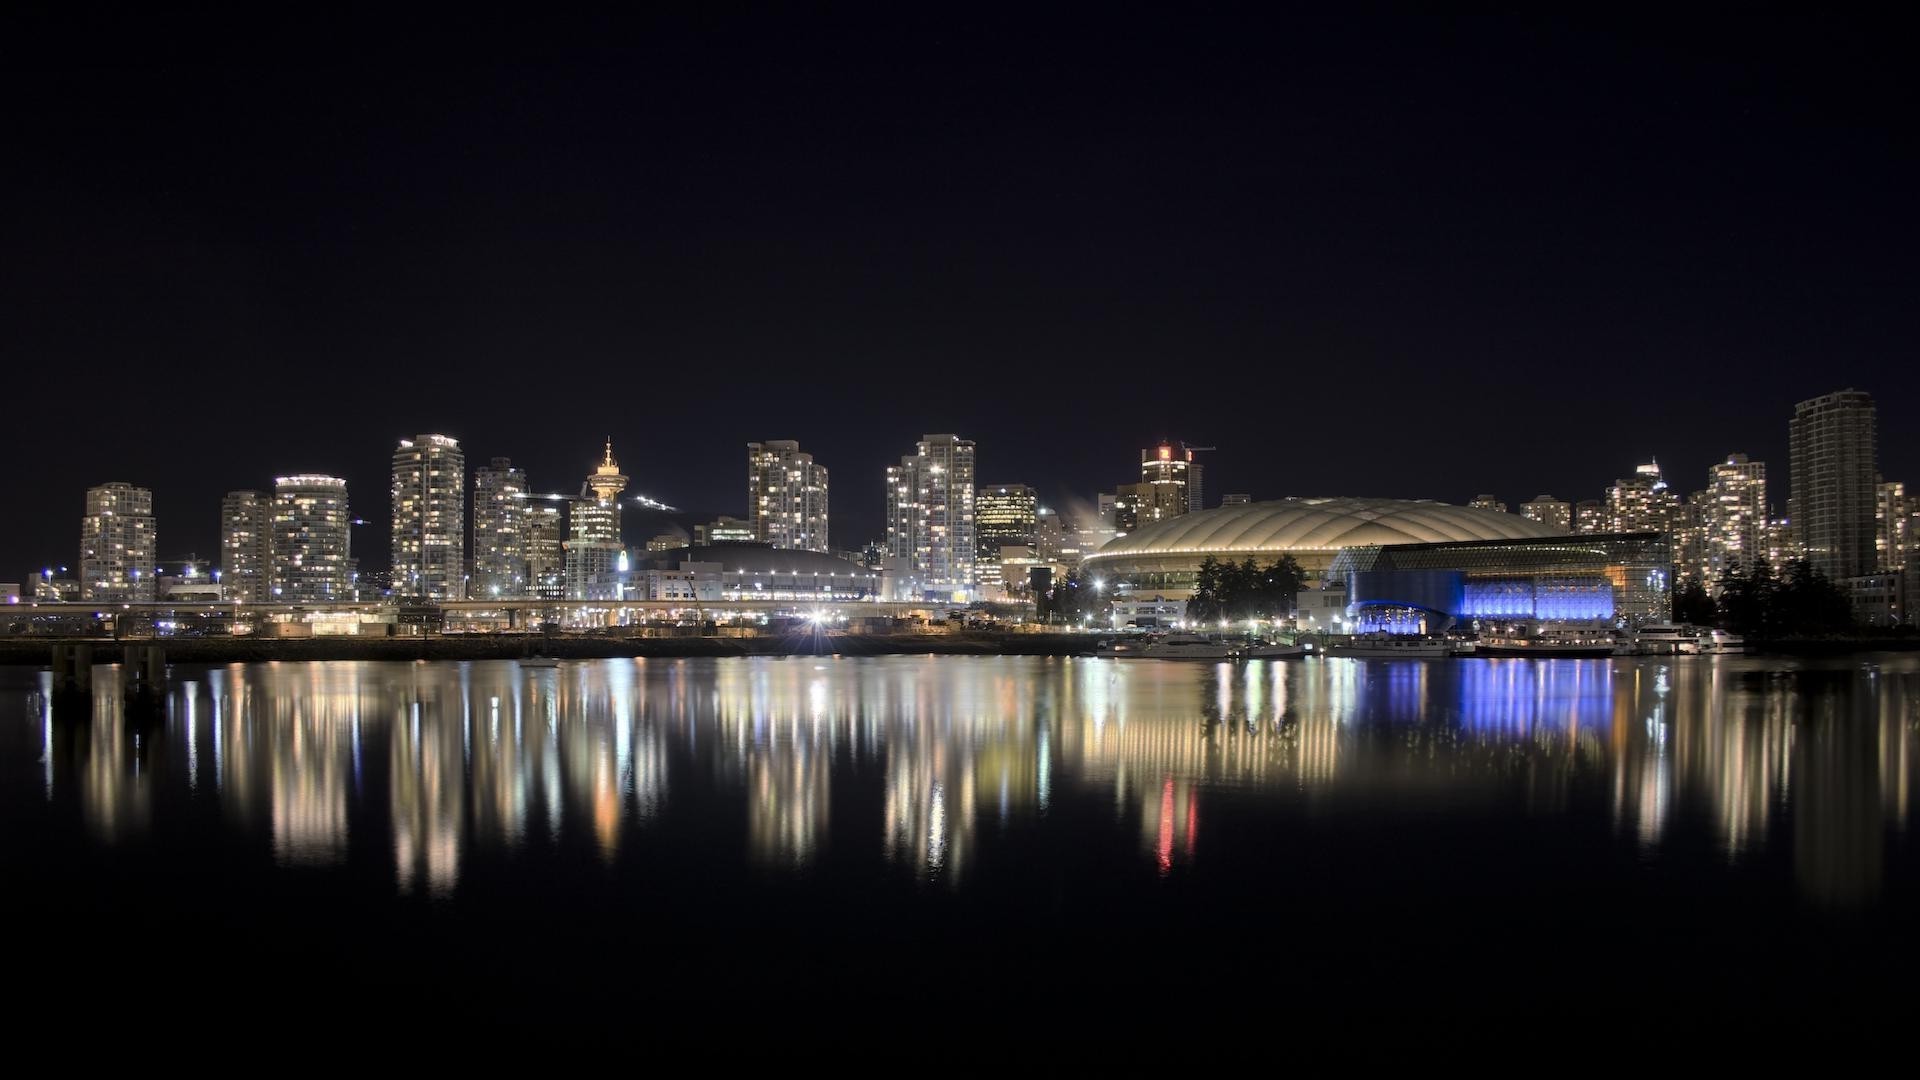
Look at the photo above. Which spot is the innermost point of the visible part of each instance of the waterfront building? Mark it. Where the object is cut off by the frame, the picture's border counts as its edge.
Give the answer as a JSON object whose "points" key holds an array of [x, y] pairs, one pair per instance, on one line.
{"points": [[1642, 502], [1877, 599], [1489, 503], [1164, 557], [1589, 516], [1734, 517], [1894, 517], [750, 570], [594, 549], [545, 546], [312, 540], [1834, 482], [930, 516], [246, 545], [429, 518], [1583, 582], [786, 496], [1004, 515], [500, 511], [1447, 562], [1554, 513], [117, 544]]}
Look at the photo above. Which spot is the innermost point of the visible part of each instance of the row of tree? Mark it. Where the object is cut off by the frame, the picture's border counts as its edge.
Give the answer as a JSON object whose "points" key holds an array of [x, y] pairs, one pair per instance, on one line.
{"points": [[1758, 604], [1245, 590], [1221, 590]]}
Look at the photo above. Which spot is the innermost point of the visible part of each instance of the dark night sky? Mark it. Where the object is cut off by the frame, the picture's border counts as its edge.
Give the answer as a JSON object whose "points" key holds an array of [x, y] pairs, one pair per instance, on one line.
{"points": [[1395, 255]]}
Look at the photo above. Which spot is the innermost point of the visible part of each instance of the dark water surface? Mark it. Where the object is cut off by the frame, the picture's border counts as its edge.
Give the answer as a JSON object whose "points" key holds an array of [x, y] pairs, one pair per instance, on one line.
{"points": [[870, 837]]}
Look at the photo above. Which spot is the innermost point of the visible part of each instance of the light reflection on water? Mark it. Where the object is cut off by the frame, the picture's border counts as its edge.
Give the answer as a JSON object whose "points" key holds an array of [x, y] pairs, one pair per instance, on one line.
{"points": [[923, 762]]}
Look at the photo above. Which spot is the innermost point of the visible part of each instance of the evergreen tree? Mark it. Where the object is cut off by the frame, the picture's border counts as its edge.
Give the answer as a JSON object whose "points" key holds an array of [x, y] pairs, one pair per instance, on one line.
{"points": [[1693, 606]]}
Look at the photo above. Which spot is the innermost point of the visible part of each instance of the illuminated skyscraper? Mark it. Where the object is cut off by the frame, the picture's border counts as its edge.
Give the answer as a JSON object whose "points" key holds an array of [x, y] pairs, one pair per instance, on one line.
{"points": [[429, 518], [1894, 518], [500, 511], [1643, 502], [246, 544], [1590, 516], [1135, 505], [546, 551], [593, 544], [1172, 464], [930, 525], [1004, 515], [1835, 482], [312, 539], [117, 544], [1549, 511], [786, 496], [1734, 517]]}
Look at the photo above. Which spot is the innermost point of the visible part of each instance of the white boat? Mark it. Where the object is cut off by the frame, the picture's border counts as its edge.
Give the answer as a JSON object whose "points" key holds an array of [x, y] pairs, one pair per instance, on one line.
{"points": [[539, 661], [1169, 647], [1548, 644], [1659, 639], [1273, 650], [1721, 643], [1409, 646]]}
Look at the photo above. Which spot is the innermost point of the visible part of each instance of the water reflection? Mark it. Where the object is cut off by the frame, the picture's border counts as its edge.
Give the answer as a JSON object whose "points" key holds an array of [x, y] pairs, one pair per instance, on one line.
{"points": [[924, 762]]}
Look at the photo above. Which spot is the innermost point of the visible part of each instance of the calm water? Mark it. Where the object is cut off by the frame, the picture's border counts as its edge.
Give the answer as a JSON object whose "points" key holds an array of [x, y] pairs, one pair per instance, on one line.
{"points": [[875, 834]]}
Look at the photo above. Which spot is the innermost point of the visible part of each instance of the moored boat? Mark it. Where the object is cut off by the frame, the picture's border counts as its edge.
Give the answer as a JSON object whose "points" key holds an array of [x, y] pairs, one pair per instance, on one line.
{"points": [[1410, 646], [1168, 647], [1273, 650]]}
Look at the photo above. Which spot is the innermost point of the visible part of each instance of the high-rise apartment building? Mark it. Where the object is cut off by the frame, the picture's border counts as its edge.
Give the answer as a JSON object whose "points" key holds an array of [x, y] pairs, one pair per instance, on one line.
{"points": [[1835, 482], [429, 518], [594, 548], [1590, 516], [1135, 505], [312, 540], [1734, 517], [1004, 515], [1488, 502], [1687, 540], [246, 545], [500, 511], [1643, 502], [1173, 464], [1236, 499], [117, 544], [930, 522], [1549, 511], [546, 551], [1894, 518], [786, 496]]}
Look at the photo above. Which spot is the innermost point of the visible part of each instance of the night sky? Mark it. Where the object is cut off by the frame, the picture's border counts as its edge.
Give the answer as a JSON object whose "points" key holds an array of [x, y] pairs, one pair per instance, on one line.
{"points": [[1397, 255]]}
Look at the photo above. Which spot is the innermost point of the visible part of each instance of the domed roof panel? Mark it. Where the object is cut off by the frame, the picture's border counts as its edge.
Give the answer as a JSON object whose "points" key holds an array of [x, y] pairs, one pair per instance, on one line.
{"points": [[1320, 525]]}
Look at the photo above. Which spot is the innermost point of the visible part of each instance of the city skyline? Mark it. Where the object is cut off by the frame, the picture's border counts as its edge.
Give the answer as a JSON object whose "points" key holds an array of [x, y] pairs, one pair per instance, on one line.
{"points": [[809, 241], [1639, 502]]}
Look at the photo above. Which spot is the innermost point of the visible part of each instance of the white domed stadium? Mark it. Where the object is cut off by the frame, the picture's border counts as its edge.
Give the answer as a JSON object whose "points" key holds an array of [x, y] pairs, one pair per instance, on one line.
{"points": [[1163, 556]]}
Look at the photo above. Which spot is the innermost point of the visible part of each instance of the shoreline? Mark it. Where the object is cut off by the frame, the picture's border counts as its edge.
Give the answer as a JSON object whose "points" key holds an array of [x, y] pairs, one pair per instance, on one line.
{"points": [[37, 652]]}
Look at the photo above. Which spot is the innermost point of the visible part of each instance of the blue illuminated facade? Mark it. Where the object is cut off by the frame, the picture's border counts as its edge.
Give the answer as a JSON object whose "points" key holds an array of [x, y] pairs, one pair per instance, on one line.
{"points": [[1590, 580]]}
